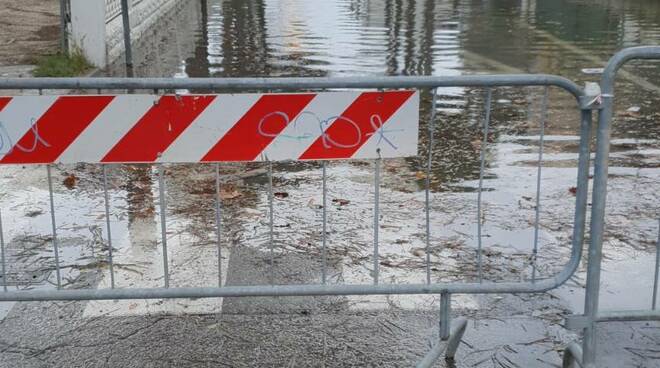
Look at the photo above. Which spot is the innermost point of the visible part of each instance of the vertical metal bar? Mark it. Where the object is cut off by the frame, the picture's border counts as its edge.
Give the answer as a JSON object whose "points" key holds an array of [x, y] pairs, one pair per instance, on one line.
{"points": [[654, 304], [271, 223], [2, 256], [376, 220], [428, 186], [107, 223], [489, 96], [544, 116], [445, 316], [127, 33], [52, 218], [325, 222], [64, 42], [163, 225], [597, 228], [218, 221], [582, 185]]}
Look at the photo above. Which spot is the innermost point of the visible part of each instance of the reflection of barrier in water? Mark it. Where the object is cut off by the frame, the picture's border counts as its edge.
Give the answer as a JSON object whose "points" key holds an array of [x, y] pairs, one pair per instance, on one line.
{"points": [[160, 152]]}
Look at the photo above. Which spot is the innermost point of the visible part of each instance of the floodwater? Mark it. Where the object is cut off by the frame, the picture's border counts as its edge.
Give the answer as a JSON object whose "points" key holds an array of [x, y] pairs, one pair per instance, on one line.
{"points": [[268, 38], [215, 38]]}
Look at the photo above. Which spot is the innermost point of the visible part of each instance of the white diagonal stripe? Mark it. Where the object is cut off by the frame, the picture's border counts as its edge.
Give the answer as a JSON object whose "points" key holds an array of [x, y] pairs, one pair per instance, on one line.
{"points": [[401, 130], [306, 128], [18, 116], [108, 128], [209, 127]]}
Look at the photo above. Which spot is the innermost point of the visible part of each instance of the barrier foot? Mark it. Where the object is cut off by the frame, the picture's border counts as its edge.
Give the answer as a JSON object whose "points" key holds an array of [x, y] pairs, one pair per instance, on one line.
{"points": [[448, 347], [572, 356]]}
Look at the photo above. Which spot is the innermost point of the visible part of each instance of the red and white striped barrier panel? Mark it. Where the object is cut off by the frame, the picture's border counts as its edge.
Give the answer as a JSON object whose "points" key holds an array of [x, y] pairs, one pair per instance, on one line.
{"points": [[208, 128]]}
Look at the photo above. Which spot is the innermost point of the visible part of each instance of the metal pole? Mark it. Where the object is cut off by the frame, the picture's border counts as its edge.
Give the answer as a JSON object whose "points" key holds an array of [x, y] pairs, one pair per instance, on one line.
{"points": [[64, 42], [376, 219], [163, 225], [107, 223], [218, 222], [325, 222], [2, 256], [544, 112], [52, 218], [489, 96], [271, 223], [427, 192], [597, 229], [445, 316], [657, 271], [127, 33]]}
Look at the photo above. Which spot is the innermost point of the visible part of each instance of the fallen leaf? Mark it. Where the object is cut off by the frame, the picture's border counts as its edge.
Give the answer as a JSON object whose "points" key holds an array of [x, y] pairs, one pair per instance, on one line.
{"points": [[418, 252], [229, 193], [341, 202], [70, 181], [34, 213], [314, 206]]}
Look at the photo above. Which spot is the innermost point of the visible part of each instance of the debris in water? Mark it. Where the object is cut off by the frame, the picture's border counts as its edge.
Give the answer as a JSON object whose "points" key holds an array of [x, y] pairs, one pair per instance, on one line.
{"points": [[229, 192], [281, 195], [632, 112], [592, 71], [314, 206], [70, 181], [419, 252], [341, 202], [34, 213]]}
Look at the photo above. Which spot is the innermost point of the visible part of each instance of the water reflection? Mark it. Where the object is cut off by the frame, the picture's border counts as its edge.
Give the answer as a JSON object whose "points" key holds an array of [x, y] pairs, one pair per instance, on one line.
{"points": [[242, 38]]}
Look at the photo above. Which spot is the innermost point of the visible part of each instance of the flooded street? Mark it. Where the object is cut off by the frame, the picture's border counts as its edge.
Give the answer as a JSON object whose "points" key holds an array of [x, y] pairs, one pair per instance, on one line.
{"points": [[269, 38]]}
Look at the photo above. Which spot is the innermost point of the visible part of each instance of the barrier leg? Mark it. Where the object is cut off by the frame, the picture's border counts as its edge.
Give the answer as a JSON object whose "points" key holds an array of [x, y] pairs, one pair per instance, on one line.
{"points": [[572, 356], [450, 338]]}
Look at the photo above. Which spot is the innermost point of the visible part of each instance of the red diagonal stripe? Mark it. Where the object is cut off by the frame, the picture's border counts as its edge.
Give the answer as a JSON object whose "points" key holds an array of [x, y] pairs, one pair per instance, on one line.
{"points": [[60, 125], [354, 127], [158, 128], [4, 101], [245, 141]]}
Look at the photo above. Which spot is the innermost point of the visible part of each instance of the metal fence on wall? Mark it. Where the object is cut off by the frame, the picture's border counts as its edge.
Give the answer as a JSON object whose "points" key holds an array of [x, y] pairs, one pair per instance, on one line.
{"points": [[113, 8]]}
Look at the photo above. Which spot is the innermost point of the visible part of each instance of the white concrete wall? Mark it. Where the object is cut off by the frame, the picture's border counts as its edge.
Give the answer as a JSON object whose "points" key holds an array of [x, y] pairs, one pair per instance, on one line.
{"points": [[88, 30], [97, 29]]}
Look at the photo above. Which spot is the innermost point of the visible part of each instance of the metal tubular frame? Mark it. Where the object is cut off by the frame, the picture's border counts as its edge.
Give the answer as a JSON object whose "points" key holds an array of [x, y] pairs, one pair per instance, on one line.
{"points": [[280, 84], [449, 337], [592, 315]]}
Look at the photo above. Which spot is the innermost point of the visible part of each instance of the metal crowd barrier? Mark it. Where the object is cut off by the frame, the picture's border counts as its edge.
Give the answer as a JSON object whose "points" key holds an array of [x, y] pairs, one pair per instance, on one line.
{"points": [[586, 356], [587, 100]]}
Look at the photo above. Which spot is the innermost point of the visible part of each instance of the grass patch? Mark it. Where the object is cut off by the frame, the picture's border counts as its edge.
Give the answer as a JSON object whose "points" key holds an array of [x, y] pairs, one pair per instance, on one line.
{"points": [[62, 65]]}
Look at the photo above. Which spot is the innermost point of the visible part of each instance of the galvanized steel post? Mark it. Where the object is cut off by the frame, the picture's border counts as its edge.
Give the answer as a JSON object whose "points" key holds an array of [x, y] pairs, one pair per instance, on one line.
{"points": [[64, 41], [127, 33]]}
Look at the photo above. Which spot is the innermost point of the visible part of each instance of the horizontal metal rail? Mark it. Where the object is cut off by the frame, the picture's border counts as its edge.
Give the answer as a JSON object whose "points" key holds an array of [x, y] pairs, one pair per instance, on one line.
{"points": [[291, 84]]}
